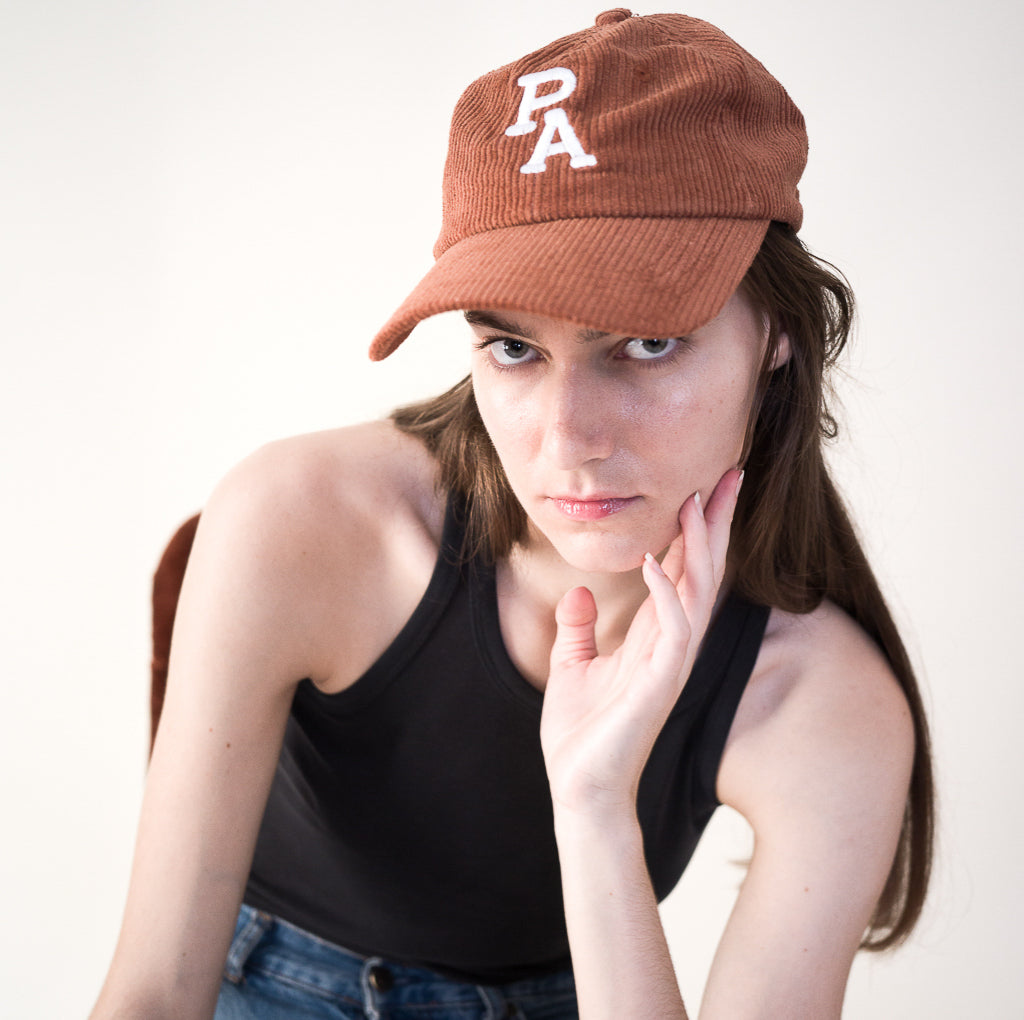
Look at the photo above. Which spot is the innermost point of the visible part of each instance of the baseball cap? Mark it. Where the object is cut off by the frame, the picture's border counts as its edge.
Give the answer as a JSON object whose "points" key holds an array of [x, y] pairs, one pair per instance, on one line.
{"points": [[621, 178]]}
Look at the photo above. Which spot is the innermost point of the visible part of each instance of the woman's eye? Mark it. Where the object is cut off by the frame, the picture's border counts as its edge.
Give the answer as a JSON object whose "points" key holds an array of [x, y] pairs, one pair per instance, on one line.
{"points": [[648, 350], [511, 352]]}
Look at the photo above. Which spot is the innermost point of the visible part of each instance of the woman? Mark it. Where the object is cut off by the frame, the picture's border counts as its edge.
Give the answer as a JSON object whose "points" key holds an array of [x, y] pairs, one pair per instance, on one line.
{"points": [[486, 669]]}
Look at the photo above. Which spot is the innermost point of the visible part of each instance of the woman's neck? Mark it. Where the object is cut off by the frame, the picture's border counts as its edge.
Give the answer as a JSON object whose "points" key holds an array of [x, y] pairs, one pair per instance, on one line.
{"points": [[530, 583]]}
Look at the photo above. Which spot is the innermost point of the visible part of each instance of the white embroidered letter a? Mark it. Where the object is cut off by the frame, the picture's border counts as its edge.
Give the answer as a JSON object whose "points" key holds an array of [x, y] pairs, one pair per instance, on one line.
{"points": [[555, 121]]}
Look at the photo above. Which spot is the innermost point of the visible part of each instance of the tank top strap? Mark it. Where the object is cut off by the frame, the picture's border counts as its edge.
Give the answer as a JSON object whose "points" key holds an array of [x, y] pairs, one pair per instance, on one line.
{"points": [[443, 584], [721, 674]]}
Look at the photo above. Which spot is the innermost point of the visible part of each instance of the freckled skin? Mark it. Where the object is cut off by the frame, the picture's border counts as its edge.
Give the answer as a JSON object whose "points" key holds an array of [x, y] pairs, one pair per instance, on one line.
{"points": [[584, 418]]}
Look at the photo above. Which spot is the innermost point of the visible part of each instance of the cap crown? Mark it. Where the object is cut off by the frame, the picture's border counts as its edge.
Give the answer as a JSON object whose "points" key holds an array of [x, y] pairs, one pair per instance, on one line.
{"points": [[675, 118]]}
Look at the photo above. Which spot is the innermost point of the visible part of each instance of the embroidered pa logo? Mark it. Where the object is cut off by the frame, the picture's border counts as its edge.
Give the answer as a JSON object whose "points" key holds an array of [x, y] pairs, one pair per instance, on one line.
{"points": [[556, 123]]}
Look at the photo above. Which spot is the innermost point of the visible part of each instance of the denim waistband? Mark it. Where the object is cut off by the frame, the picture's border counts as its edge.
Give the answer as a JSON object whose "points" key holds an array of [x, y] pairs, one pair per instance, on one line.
{"points": [[378, 987]]}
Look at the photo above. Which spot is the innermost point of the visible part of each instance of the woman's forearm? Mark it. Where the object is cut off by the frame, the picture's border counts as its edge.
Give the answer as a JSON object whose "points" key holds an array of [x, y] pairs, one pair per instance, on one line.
{"points": [[602, 715], [619, 953]]}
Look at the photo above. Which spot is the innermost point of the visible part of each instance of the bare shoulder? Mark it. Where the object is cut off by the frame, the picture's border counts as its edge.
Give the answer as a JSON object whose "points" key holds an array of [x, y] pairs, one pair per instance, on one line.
{"points": [[340, 529], [348, 469], [823, 727]]}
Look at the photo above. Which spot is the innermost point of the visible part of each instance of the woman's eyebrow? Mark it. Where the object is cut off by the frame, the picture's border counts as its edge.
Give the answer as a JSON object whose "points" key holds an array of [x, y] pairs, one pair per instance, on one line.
{"points": [[489, 320]]}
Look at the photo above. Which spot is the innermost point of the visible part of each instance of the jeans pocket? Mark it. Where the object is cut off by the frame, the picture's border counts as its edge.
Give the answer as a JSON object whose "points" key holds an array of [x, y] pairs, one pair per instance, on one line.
{"points": [[250, 928]]}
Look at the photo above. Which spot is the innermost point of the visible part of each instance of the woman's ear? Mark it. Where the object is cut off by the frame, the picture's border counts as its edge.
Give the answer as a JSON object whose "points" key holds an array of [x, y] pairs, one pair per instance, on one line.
{"points": [[782, 350]]}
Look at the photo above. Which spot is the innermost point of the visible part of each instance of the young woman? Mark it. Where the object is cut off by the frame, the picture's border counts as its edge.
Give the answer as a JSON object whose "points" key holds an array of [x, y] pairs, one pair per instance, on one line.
{"points": [[485, 670]]}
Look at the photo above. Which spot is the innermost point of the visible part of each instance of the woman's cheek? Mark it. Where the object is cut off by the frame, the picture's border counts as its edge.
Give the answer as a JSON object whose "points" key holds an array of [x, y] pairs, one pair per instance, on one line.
{"points": [[507, 424], [708, 431]]}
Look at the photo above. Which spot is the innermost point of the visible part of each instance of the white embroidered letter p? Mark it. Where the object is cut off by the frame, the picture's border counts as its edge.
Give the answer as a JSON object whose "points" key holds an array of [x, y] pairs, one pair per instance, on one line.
{"points": [[555, 121]]}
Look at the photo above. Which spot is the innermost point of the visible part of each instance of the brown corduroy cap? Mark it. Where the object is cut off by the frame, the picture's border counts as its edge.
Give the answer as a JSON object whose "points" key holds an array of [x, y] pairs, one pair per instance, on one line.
{"points": [[621, 178]]}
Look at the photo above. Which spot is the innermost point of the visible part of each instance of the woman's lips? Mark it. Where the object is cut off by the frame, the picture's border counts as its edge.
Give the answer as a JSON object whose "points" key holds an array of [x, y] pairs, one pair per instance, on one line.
{"points": [[591, 509]]}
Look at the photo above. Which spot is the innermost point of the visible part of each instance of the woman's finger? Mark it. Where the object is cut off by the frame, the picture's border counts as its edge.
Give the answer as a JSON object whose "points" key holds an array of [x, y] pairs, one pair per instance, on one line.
{"points": [[697, 585], [668, 650], [718, 515], [575, 617], [674, 559]]}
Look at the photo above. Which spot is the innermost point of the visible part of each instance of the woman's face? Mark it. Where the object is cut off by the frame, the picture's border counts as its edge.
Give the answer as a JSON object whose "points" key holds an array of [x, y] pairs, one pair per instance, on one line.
{"points": [[603, 437]]}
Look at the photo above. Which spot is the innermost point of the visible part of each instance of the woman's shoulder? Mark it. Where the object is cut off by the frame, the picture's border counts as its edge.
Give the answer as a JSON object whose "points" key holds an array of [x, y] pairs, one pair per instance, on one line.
{"points": [[823, 719], [355, 484], [350, 469], [343, 527]]}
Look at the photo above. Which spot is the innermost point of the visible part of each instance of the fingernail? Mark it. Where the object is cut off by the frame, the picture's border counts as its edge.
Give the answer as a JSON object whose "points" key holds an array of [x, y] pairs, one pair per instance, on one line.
{"points": [[654, 564], [696, 500], [739, 483]]}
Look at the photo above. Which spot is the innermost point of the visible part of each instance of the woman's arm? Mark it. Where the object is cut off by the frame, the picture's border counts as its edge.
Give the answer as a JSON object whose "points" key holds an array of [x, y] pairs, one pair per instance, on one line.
{"points": [[620, 957], [233, 668], [818, 761], [601, 717], [250, 624]]}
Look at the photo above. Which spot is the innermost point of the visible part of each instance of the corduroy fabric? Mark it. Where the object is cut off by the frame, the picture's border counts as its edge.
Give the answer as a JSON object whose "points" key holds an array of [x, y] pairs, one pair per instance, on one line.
{"points": [[697, 149]]}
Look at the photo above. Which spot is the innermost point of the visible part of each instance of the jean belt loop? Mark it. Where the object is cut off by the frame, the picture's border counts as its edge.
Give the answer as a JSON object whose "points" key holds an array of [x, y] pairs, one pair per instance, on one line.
{"points": [[375, 980], [252, 926]]}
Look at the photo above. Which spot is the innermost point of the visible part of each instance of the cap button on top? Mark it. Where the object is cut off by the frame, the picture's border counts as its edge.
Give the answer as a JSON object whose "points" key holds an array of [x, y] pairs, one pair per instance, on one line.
{"points": [[613, 17]]}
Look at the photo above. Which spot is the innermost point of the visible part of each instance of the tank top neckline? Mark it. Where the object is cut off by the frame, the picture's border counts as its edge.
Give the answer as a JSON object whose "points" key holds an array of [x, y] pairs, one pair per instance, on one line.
{"points": [[480, 577], [720, 640]]}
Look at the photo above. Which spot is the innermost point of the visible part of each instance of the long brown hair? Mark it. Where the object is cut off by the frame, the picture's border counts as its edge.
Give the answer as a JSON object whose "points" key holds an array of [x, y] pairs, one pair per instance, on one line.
{"points": [[793, 543]]}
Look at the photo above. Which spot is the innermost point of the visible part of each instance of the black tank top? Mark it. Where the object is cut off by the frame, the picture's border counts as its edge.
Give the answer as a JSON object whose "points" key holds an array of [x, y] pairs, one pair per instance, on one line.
{"points": [[410, 815]]}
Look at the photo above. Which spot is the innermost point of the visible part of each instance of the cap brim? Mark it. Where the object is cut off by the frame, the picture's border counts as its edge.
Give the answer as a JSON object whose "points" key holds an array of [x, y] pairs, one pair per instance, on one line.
{"points": [[636, 277]]}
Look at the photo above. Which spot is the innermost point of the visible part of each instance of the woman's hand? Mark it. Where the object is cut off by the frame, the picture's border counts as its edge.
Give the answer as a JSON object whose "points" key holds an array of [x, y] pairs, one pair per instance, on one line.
{"points": [[602, 714]]}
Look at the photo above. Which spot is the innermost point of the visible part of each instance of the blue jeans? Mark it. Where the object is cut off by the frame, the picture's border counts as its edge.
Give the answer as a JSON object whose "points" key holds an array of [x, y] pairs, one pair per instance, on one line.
{"points": [[275, 971]]}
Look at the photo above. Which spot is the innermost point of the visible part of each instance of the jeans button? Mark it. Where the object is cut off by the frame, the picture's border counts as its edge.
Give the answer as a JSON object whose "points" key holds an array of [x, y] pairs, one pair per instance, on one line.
{"points": [[381, 979]]}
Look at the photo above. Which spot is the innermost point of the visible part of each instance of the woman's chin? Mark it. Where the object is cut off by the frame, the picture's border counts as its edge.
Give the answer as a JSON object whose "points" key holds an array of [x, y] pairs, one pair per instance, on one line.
{"points": [[603, 552]]}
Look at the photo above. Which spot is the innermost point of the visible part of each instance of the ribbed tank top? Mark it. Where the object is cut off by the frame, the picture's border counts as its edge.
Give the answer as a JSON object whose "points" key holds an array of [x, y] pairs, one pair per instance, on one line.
{"points": [[410, 815]]}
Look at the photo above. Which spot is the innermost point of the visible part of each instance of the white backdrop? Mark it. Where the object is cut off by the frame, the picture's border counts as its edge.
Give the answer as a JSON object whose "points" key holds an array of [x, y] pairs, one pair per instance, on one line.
{"points": [[209, 206]]}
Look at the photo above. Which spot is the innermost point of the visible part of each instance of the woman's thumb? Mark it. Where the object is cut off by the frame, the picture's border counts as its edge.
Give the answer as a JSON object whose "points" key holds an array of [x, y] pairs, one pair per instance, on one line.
{"points": [[575, 617]]}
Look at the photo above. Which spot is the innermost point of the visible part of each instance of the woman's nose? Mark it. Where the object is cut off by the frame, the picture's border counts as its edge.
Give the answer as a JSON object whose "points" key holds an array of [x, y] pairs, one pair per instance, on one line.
{"points": [[579, 419]]}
